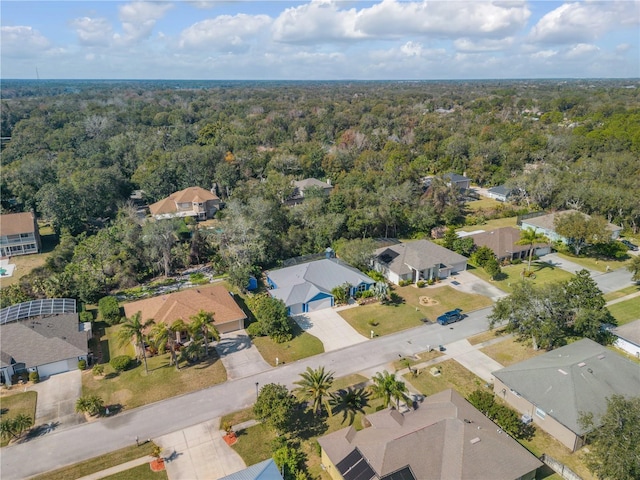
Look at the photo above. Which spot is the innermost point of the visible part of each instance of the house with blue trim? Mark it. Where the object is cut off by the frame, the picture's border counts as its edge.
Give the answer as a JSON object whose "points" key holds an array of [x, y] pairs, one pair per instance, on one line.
{"points": [[307, 287]]}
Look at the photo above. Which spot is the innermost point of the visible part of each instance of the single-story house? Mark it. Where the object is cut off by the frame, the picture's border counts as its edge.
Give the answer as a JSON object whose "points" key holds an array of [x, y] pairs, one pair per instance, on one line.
{"points": [[460, 181], [216, 299], [193, 202], [445, 438], [307, 287], [628, 337], [503, 243], [500, 193], [546, 225], [265, 470], [40, 337], [553, 389], [19, 234], [417, 260], [300, 186]]}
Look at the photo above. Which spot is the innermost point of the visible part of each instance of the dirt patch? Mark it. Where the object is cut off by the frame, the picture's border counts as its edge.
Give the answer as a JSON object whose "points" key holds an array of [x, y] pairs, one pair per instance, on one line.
{"points": [[121, 396], [428, 301]]}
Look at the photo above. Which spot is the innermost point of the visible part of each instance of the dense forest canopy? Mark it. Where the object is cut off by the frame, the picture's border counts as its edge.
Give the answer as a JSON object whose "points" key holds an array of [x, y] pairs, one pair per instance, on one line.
{"points": [[74, 151]]}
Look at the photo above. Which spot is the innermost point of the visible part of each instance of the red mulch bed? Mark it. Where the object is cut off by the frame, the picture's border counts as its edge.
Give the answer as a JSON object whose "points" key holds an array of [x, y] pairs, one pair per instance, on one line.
{"points": [[230, 439], [157, 465]]}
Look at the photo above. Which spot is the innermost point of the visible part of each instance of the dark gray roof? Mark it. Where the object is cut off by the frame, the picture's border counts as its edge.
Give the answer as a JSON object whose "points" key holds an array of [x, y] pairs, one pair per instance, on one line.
{"points": [[454, 177], [445, 438], [575, 378], [418, 254], [547, 222], [629, 331], [500, 190], [41, 340], [265, 470]]}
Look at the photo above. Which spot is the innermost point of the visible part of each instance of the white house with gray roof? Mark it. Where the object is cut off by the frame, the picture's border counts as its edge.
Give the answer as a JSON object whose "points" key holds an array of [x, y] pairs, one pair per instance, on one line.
{"points": [[555, 387], [417, 260], [628, 337], [307, 287]]}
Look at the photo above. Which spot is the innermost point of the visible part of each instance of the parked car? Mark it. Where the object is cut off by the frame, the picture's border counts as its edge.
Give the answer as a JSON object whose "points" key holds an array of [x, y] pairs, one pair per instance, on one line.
{"points": [[629, 245], [450, 317]]}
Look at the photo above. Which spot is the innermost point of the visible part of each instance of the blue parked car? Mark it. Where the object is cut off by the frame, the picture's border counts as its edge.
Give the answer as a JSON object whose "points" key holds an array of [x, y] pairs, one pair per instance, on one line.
{"points": [[450, 317]]}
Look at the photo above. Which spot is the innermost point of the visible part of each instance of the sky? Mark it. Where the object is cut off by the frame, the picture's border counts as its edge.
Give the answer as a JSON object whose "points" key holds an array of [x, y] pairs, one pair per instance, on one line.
{"points": [[319, 39]]}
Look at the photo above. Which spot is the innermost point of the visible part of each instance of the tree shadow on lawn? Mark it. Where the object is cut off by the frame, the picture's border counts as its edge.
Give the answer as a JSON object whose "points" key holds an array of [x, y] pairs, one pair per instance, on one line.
{"points": [[542, 265], [305, 424]]}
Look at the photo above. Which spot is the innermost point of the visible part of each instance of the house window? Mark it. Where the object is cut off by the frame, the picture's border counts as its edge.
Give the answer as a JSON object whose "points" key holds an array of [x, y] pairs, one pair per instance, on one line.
{"points": [[362, 287], [540, 413]]}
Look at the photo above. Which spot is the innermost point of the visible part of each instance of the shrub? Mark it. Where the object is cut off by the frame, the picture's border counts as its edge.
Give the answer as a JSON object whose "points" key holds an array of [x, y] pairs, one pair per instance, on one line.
{"points": [[404, 283], [82, 364], [120, 363], [255, 330], [421, 283], [86, 317], [516, 261], [431, 281], [34, 377], [98, 369], [198, 278], [376, 275], [365, 294], [110, 310]]}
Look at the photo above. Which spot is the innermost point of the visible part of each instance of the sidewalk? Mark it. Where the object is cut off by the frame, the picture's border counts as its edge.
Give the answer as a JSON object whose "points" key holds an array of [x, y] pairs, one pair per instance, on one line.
{"points": [[623, 299], [118, 468]]}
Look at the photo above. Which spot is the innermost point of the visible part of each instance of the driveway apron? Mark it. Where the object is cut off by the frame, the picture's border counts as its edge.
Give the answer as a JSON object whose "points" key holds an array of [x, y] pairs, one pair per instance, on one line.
{"points": [[239, 356], [327, 325], [57, 397]]}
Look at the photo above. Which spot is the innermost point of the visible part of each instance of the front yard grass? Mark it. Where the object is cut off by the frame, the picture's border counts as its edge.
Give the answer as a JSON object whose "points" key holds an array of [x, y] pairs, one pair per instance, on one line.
{"points": [[14, 404], [384, 319], [627, 311], [141, 472], [134, 387], [510, 351], [302, 345], [623, 292], [452, 375], [592, 263], [512, 274], [490, 225], [97, 464], [487, 336], [417, 359], [348, 381]]}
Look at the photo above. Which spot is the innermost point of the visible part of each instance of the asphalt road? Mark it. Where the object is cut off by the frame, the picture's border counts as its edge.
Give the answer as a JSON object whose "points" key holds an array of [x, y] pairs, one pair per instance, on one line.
{"points": [[72, 445]]}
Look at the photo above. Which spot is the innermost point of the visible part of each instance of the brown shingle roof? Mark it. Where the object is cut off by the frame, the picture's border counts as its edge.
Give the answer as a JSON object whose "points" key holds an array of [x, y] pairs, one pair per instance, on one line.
{"points": [[188, 195], [502, 241], [182, 305], [445, 438], [14, 223]]}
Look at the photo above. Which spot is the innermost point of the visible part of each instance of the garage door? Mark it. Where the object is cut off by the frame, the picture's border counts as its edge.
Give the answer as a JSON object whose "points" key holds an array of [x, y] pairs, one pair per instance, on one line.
{"points": [[319, 304], [53, 368], [295, 309]]}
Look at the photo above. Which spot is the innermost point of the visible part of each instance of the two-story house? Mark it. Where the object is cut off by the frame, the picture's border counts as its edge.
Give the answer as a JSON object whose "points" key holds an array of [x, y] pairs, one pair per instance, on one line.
{"points": [[19, 234]]}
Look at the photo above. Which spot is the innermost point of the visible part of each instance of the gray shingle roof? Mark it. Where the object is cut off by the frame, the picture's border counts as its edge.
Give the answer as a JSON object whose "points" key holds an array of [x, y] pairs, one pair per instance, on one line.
{"points": [[629, 331], [446, 437], [419, 254], [300, 283], [41, 340], [575, 378], [500, 190], [547, 222]]}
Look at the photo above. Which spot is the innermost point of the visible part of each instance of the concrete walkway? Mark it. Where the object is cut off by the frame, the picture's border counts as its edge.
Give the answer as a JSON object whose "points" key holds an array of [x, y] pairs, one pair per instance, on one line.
{"points": [[199, 453], [623, 299], [239, 356], [118, 468], [327, 325]]}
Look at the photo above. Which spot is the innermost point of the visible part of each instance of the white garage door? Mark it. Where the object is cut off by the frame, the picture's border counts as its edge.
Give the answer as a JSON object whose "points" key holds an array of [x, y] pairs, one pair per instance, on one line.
{"points": [[319, 304], [53, 368], [295, 309]]}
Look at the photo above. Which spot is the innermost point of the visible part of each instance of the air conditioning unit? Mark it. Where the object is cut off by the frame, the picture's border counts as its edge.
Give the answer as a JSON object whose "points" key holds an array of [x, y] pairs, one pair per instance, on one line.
{"points": [[526, 419]]}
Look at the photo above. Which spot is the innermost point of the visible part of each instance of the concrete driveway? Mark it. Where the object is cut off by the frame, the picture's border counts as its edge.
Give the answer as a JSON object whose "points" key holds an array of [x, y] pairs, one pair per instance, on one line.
{"points": [[57, 397], [199, 452], [471, 358], [333, 331], [239, 356], [467, 282], [564, 264]]}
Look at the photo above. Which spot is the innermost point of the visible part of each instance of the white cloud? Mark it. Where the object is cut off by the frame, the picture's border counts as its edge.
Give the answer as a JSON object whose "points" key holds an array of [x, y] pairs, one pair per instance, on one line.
{"points": [[581, 50], [542, 54], [22, 41], [225, 33], [483, 45], [623, 47], [585, 21], [138, 20], [411, 49], [93, 31], [324, 20]]}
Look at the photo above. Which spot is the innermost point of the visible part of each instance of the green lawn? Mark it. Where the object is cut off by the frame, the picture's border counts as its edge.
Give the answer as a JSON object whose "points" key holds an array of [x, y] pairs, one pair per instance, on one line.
{"points": [[141, 472], [302, 345], [511, 274], [452, 375], [100, 463], [623, 292], [593, 263], [12, 405], [134, 387], [510, 351], [254, 443], [348, 381], [391, 318], [627, 311], [483, 204], [490, 225]]}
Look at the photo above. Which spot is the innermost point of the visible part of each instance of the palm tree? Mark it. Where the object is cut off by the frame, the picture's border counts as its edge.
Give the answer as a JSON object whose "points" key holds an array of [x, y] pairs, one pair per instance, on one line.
{"points": [[350, 402], [202, 324], [530, 237], [13, 427], [163, 338], [315, 385], [135, 327], [386, 386]]}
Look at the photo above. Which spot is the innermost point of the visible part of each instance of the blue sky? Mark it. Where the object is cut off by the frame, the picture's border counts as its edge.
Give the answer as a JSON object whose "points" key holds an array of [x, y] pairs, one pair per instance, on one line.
{"points": [[320, 39]]}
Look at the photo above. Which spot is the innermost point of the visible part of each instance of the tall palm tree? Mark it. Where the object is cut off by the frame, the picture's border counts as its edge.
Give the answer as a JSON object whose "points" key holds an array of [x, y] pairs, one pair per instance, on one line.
{"points": [[350, 402], [314, 386], [202, 324], [163, 338], [530, 237], [387, 387], [135, 327]]}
